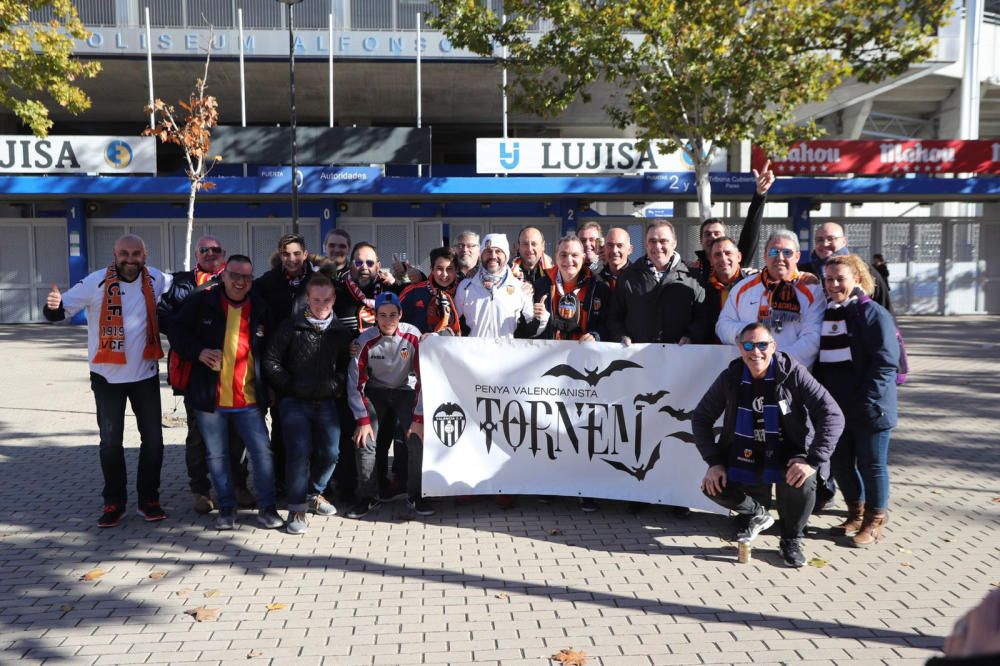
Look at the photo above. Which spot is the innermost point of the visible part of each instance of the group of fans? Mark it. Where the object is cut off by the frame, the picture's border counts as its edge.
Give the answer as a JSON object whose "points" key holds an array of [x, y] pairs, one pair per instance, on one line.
{"points": [[329, 344]]}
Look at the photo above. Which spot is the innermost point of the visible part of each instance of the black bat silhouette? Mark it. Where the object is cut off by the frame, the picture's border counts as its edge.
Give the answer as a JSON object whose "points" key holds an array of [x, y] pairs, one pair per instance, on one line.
{"points": [[592, 377], [683, 436], [638, 472], [650, 398], [678, 414]]}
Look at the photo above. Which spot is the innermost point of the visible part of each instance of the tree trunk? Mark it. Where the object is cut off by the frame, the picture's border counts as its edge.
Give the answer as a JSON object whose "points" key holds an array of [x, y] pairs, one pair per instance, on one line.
{"points": [[190, 225], [704, 186]]}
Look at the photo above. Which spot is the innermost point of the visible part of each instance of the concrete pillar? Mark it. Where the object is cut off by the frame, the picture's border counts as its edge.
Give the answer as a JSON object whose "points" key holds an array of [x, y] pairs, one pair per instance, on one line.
{"points": [[853, 119], [76, 239]]}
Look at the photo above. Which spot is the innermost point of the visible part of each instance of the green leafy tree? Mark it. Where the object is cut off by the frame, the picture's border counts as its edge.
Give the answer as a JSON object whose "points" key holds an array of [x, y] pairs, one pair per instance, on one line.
{"points": [[697, 74], [36, 61]]}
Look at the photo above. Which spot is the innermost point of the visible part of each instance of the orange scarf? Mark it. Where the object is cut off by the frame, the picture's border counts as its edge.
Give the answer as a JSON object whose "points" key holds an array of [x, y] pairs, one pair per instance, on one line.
{"points": [[111, 345]]}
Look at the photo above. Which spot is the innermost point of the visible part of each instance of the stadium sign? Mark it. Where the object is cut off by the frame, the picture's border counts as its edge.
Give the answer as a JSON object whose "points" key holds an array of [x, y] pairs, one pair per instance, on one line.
{"points": [[884, 158], [564, 156], [77, 154]]}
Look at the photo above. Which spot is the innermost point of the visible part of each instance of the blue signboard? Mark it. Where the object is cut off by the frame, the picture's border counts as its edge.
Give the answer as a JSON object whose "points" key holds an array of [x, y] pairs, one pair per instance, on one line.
{"points": [[317, 180]]}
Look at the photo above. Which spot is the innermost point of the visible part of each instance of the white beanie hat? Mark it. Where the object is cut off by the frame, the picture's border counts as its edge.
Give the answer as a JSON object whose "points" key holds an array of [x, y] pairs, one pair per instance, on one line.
{"points": [[498, 241]]}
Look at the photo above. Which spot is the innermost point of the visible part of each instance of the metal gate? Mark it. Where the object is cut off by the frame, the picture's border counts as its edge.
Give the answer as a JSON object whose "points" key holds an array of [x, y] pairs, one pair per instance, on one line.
{"points": [[33, 255]]}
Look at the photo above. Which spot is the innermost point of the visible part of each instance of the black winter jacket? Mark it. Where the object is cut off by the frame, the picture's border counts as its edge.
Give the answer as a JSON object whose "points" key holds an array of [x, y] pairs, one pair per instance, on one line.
{"points": [[307, 364], [283, 299], [170, 303], [811, 423], [747, 243], [666, 311], [201, 324]]}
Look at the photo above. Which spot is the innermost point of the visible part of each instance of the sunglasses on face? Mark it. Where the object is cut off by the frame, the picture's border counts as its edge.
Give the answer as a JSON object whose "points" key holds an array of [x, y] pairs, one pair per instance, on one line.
{"points": [[361, 263], [761, 346], [785, 252], [207, 250], [240, 277]]}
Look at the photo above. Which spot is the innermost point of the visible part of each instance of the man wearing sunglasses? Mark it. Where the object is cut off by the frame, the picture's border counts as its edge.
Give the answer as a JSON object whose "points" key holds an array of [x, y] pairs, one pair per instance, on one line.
{"points": [[779, 427], [789, 302], [210, 260], [356, 293]]}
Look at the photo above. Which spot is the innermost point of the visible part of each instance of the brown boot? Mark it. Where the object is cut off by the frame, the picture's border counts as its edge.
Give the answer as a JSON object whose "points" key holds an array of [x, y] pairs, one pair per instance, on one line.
{"points": [[871, 528], [855, 511]]}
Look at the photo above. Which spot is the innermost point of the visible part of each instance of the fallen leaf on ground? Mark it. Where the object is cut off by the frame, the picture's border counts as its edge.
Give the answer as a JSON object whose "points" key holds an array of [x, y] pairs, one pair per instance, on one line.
{"points": [[211, 593], [157, 575], [93, 575], [570, 657], [907, 564], [276, 607], [254, 653], [183, 593], [65, 608], [203, 614], [997, 500], [173, 422], [818, 563], [906, 551], [554, 531], [995, 583], [502, 595]]}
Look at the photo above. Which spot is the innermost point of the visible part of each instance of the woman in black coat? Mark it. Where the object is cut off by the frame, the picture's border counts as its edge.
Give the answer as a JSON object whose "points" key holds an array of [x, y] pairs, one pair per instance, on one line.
{"points": [[858, 358]]}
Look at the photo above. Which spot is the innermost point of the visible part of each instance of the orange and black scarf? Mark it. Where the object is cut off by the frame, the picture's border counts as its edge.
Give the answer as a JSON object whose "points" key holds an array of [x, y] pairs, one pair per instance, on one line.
{"points": [[441, 310], [111, 329], [780, 295], [569, 316]]}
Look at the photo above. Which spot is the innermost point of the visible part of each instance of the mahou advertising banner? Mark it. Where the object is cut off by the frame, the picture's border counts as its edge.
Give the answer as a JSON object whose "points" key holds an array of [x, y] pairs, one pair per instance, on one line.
{"points": [[563, 418], [823, 158]]}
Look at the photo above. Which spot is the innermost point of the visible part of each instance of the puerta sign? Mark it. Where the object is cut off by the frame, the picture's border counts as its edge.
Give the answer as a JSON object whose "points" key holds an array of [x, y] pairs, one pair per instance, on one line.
{"points": [[563, 418], [563, 156], [77, 154]]}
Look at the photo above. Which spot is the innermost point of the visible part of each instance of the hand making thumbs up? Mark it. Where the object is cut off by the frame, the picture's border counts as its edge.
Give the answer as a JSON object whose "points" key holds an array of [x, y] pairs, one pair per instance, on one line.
{"points": [[540, 307], [54, 299]]}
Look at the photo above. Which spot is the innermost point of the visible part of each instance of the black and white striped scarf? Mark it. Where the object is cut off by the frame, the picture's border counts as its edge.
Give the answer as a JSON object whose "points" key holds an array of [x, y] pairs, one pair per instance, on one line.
{"points": [[835, 341]]}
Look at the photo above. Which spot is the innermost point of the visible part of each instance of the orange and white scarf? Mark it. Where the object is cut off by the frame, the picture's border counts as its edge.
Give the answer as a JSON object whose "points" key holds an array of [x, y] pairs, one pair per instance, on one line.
{"points": [[111, 340]]}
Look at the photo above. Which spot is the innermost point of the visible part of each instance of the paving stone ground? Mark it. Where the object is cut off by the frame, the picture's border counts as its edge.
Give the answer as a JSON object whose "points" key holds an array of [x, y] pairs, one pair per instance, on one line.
{"points": [[475, 583]]}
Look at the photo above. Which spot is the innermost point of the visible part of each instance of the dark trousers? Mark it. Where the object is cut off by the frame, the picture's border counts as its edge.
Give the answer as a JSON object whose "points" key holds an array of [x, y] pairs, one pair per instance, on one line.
{"points": [[794, 504], [196, 457], [312, 442], [278, 449], [345, 474], [391, 412], [144, 396]]}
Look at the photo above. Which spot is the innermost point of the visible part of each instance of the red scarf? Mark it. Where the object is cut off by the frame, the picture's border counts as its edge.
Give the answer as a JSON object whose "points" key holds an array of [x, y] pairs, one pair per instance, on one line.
{"points": [[441, 310], [201, 277], [111, 340]]}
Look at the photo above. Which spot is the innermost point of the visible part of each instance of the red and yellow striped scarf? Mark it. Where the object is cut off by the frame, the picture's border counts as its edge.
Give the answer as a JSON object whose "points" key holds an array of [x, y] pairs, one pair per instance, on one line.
{"points": [[237, 376]]}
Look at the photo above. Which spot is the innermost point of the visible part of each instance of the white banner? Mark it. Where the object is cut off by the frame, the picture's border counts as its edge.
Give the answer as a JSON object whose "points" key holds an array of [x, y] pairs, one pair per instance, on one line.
{"points": [[562, 418], [77, 154], [568, 156]]}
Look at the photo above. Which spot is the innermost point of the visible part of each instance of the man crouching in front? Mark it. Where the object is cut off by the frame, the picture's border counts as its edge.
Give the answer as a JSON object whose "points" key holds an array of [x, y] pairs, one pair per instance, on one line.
{"points": [[780, 426]]}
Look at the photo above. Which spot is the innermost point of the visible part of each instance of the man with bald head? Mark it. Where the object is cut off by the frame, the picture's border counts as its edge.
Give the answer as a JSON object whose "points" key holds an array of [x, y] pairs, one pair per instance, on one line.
{"points": [[615, 255], [830, 240], [532, 262], [123, 341]]}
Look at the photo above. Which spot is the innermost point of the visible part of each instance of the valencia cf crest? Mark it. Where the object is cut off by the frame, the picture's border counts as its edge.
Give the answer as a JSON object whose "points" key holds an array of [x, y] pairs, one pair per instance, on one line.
{"points": [[449, 423], [510, 290], [747, 453], [404, 354]]}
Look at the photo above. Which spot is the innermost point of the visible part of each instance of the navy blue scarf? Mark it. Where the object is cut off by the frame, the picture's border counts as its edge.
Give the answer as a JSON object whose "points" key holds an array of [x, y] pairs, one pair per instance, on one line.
{"points": [[752, 461]]}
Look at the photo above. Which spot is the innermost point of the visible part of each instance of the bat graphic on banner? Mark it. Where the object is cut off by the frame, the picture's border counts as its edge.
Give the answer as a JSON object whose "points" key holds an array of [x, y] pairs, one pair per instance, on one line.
{"points": [[592, 377], [638, 472], [650, 398], [678, 414]]}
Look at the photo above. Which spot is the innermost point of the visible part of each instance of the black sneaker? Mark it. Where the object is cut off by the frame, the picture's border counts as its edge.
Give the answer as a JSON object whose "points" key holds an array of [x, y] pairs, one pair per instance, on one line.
{"points": [[269, 519], [588, 505], [791, 552], [112, 515], [226, 520], [151, 512], [757, 524], [421, 507], [362, 507]]}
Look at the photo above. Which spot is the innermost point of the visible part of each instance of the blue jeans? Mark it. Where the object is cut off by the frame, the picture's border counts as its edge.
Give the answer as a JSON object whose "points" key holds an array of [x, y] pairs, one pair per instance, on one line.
{"points": [[861, 466], [214, 427], [311, 432]]}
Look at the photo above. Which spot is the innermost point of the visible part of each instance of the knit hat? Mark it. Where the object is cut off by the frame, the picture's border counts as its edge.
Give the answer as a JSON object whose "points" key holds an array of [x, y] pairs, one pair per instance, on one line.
{"points": [[387, 298], [498, 241]]}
